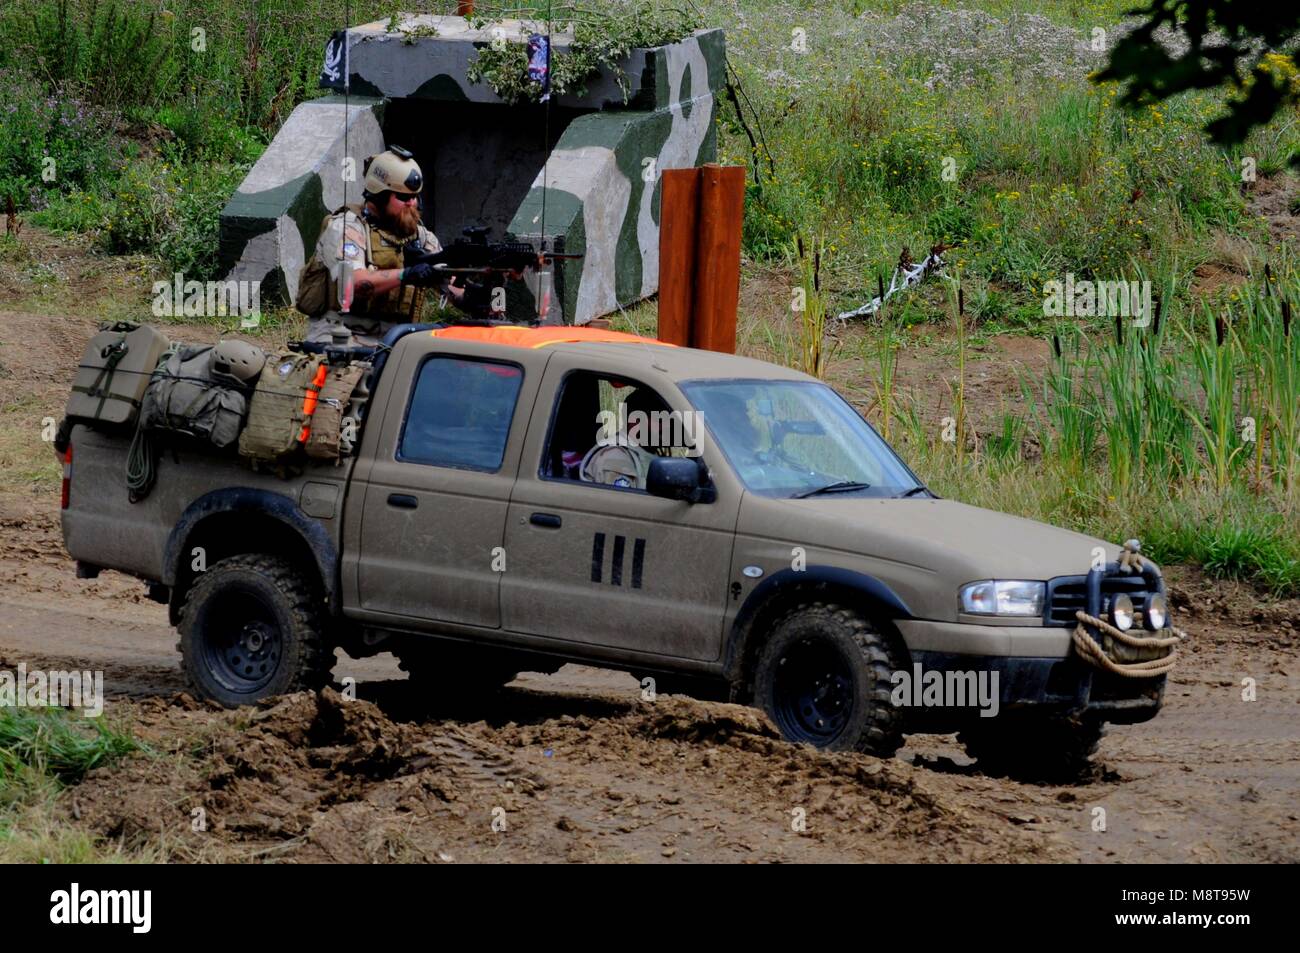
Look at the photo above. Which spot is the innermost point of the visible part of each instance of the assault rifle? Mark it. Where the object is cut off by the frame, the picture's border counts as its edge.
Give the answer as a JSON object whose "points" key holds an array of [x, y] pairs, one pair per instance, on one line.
{"points": [[477, 261]]}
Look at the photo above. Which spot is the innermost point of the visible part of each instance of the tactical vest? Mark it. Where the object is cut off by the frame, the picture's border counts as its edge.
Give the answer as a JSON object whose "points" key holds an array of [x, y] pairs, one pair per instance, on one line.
{"points": [[318, 291]]}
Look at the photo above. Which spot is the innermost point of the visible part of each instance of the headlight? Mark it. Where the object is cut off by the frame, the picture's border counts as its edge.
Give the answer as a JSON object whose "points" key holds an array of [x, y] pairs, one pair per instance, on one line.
{"points": [[1156, 614], [1121, 612], [1016, 597]]}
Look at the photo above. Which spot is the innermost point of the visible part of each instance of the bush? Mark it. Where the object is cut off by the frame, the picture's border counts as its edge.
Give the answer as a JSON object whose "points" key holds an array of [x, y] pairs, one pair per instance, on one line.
{"points": [[170, 208], [35, 128], [189, 243], [72, 214], [138, 215], [205, 132], [603, 36]]}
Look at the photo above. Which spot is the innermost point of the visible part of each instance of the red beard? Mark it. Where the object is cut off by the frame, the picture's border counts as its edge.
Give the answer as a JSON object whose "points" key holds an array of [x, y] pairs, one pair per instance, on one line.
{"points": [[407, 222]]}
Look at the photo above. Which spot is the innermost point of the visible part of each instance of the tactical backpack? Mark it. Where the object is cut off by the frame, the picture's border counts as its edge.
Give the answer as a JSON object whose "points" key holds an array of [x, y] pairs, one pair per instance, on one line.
{"points": [[114, 373], [183, 398], [329, 439], [280, 413]]}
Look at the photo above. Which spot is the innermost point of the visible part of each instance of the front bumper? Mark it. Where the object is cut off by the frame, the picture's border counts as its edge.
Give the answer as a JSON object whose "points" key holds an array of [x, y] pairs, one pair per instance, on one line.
{"points": [[1035, 667]]}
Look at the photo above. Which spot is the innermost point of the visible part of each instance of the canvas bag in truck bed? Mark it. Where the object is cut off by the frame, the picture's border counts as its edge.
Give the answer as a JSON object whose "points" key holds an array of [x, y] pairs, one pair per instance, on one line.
{"points": [[184, 398]]}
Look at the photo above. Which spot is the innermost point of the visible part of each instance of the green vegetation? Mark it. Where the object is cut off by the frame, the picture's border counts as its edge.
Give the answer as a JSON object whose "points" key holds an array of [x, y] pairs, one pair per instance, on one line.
{"points": [[153, 112], [41, 751], [603, 35], [909, 125]]}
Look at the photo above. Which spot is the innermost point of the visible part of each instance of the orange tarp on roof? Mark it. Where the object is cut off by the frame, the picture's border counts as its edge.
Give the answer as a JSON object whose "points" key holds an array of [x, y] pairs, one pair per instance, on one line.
{"points": [[521, 336]]}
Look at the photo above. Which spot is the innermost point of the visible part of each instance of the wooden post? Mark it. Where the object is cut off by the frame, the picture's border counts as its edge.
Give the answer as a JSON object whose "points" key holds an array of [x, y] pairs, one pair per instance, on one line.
{"points": [[717, 257], [679, 200]]}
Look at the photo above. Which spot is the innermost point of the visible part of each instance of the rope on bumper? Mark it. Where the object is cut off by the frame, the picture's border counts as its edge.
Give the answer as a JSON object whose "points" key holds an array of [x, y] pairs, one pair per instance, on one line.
{"points": [[1131, 558], [1093, 653]]}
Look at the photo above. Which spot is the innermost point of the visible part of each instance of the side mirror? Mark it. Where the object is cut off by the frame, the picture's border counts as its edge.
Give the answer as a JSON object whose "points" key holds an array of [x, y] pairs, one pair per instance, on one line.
{"points": [[680, 478]]}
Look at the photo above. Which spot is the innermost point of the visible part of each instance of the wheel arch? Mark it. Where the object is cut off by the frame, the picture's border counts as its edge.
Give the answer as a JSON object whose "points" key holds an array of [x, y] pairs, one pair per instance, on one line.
{"points": [[236, 520], [789, 588]]}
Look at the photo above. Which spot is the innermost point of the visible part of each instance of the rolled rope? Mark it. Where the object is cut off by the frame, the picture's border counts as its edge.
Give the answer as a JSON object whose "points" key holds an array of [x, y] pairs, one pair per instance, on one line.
{"points": [[1090, 651]]}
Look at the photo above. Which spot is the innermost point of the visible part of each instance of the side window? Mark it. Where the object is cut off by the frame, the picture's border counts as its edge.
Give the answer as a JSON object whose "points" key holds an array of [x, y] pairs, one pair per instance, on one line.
{"points": [[608, 430], [460, 413]]}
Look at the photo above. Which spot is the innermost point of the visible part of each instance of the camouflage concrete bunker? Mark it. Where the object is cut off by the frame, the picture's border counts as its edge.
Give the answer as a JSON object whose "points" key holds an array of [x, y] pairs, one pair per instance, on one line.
{"points": [[590, 164]]}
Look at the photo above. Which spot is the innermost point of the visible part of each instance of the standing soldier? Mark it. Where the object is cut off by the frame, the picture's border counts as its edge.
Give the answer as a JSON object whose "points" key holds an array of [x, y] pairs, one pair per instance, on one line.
{"points": [[355, 287]]}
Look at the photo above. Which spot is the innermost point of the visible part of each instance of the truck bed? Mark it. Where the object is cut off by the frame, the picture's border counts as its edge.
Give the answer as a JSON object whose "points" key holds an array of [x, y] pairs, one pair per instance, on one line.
{"points": [[102, 528]]}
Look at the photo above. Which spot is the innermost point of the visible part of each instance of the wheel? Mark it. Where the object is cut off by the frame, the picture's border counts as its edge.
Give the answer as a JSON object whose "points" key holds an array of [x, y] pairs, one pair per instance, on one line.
{"points": [[250, 628], [824, 679], [1033, 747], [444, 673]]}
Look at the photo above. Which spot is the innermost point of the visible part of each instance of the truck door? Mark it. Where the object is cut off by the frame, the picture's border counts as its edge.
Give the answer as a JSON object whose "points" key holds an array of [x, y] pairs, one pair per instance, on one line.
{"points": [[434, 493], [606, 565]]}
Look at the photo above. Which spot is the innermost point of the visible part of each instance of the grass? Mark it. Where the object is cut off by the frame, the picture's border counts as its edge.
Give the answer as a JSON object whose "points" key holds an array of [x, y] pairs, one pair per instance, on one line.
{"points": [[975, 126], [42, 751], [57, 743], [1048, 175], [1181, 435], [26, 460]]}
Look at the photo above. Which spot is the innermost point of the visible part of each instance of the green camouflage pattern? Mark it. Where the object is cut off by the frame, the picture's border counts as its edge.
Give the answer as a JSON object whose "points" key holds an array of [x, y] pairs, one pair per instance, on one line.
{"points": [[598, 188]]}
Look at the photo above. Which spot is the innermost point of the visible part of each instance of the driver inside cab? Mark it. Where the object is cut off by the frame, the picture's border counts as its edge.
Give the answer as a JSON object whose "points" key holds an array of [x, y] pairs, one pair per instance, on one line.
{"points": [[624, 459]]}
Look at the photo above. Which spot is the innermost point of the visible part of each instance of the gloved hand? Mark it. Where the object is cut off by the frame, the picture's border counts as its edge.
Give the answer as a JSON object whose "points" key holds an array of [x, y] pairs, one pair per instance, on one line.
{"points": [[421, 275]]}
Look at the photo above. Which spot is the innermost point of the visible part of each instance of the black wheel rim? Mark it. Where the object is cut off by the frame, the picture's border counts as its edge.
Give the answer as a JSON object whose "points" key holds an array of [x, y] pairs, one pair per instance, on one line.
{"points": [[242, 642], [813, 692]]}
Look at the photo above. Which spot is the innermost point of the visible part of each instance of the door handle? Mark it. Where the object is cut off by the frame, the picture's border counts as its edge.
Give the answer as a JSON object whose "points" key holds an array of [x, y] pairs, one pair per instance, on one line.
{"points": [[403, 501], [549, 520]]}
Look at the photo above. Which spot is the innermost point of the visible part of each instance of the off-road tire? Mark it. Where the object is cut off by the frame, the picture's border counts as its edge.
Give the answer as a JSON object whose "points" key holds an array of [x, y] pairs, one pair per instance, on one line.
{"points": [[444, 673], [1028, 746], [251, 627], [850, 711]]}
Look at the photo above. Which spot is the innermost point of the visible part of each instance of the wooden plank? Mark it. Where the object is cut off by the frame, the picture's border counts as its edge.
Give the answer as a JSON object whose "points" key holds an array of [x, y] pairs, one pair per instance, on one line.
{"points": [[678, 214], [717, 257]]}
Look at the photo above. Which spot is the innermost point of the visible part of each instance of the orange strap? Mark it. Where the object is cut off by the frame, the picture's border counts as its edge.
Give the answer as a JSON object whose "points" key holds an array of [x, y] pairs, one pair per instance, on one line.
{"points": [[309, 400]]}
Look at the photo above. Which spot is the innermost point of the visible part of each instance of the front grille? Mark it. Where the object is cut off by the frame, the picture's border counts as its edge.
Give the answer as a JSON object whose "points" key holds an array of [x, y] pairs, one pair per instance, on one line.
{"points": [[1067, 594]]}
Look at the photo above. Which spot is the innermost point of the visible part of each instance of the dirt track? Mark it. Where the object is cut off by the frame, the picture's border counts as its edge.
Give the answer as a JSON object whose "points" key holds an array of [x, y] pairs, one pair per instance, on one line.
{"points": [[579, 768]]}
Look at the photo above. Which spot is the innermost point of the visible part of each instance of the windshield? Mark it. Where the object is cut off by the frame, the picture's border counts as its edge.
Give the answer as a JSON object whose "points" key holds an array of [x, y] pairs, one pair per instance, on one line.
{"points": [[786, 438]]}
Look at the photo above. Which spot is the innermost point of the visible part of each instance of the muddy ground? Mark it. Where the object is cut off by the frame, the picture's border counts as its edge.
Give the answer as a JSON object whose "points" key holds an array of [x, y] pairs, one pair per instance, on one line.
{"points": [[576, 766]]}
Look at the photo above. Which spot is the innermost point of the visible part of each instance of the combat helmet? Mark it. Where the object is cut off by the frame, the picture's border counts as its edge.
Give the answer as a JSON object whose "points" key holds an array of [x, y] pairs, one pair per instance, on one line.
{"points": [[393, 170], [237, 362]]}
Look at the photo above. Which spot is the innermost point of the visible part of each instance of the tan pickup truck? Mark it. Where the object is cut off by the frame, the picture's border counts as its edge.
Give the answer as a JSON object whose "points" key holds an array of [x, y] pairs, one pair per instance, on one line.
{"points": [[775, 551]]}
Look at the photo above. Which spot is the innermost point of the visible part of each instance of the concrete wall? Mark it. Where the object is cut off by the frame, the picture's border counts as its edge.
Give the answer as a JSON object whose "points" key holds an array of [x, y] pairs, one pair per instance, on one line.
{"points": [[486, 162]]}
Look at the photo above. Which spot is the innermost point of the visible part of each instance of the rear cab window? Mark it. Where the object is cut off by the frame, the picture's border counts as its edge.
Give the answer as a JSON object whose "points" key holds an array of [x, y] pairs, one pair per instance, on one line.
{"points": [[460, 413]]}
